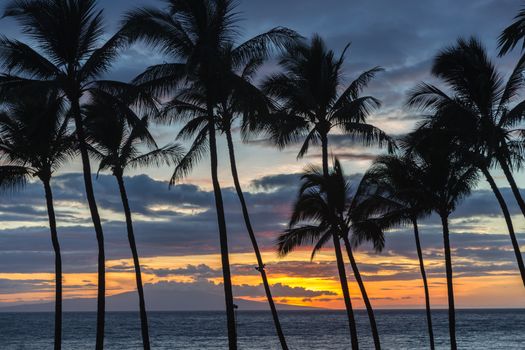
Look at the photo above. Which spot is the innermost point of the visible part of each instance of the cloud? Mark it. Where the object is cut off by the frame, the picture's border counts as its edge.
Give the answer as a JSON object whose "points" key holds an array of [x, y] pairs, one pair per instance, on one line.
{"points": [[279, 290], [183, 221]]}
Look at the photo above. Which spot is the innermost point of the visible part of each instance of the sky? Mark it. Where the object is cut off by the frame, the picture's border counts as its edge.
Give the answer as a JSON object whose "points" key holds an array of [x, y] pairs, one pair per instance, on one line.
{"points": [[176, 229]]}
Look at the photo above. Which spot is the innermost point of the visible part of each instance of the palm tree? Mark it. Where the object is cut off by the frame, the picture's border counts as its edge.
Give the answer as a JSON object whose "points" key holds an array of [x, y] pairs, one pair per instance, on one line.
{"points": [[447, 178], [479, 115], [71, 64], [247, 103], [200, 37], [118, 147], [317, 217], [390, 194], [310, 107], [34, 143]]}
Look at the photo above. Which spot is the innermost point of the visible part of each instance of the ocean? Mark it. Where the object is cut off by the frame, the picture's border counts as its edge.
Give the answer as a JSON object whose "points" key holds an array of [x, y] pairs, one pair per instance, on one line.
{"points": [[399, 329]]}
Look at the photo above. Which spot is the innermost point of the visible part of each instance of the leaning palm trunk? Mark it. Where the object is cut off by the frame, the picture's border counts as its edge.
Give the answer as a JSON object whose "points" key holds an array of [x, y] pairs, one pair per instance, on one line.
{"points": [[346, 293], [362, 288], [339, 258], [136, 263], [58, 264], [425, 283], [223, 237], [249, 228], [514, 187], [508, 221], [450, 285], [86, 167]]}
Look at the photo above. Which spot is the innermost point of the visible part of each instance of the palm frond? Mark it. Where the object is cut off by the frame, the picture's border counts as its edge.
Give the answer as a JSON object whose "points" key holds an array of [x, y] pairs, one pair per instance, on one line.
{"points": [[513, 34], [197, 151], [18, 58], [292, 238], [167, 155], [263, 45], [353, 91]]}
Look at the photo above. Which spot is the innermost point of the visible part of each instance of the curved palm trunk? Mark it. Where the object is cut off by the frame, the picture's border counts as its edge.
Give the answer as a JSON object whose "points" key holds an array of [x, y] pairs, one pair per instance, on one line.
{"points": [[136, 263], [58, 265], [369, 309], [249, 228], [223, 236], [514, 187], [508, 221], [450, 285], [425, 283], [346, 293], [339, 258], [95, 217]]}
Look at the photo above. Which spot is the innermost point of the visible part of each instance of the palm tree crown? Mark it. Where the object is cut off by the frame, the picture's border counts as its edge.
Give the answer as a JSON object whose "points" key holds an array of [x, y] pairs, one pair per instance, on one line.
{"points": [[309, 104], [34, 138], [324, 207], [481, 108], [124, 141], [391, 192]]}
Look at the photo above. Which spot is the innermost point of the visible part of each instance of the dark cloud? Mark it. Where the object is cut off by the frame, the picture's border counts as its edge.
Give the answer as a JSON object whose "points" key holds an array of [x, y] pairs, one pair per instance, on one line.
{"points": [[279, 290]]}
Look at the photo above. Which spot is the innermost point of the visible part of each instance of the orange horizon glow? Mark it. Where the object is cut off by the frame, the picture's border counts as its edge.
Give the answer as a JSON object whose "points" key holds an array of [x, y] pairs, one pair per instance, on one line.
{"points": [[498, 290]]}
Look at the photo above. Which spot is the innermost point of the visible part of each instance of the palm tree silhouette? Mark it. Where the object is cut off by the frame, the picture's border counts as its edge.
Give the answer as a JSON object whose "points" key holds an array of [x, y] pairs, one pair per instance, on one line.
{"points": [[247, 103], [447, 178], [68, 34], [391, 194], [479, 115], [34, 143], [310, 107], [513, 34], [200, 37], [117, 145], [319, 215]]}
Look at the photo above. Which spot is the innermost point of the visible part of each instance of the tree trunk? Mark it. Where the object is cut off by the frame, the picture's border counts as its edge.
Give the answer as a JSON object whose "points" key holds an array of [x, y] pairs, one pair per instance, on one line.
{"points": [[450, 285], [86, 167], [369, 309], [136, 263], [58, 264], [346, 292], [425, 283], [228, 293], [508, 220], [324, 150], [260, 265], [514, 187]]}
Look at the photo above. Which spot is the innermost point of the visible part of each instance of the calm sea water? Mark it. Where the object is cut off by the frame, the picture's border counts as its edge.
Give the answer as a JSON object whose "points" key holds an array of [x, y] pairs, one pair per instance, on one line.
{"points": [[476, 329]]}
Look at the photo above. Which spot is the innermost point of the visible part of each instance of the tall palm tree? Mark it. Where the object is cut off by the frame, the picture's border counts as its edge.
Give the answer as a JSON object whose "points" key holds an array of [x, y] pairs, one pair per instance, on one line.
{"points": [[391, 194], [34, 143], [479, 114], [323, 212], [66, 54], [199, 35], [447, 178], [310, 107], [247, 105], [318, 216], [119, 146]]}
